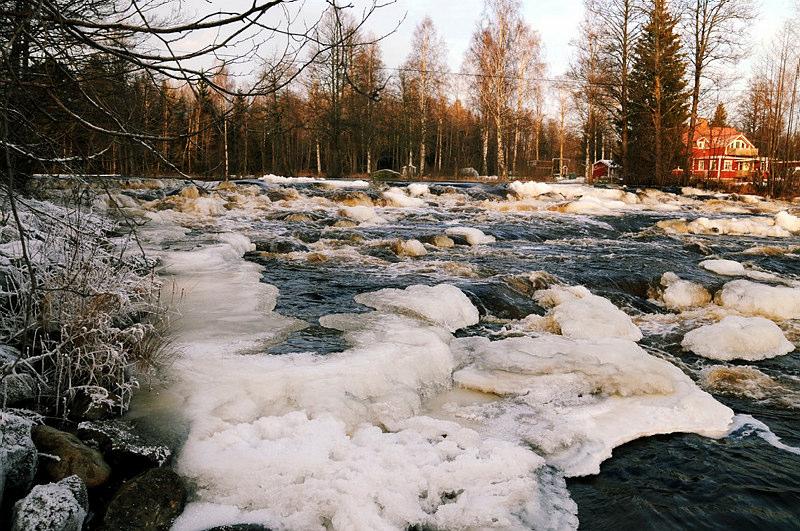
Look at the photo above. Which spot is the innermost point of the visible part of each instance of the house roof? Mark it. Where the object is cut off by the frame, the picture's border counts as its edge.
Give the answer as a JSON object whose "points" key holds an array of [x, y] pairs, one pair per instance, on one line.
{"points": [[717, 136]]}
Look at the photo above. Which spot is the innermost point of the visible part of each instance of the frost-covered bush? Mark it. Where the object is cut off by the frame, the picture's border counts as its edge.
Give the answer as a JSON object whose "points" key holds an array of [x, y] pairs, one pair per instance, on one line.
{"points": [[80, 303]]}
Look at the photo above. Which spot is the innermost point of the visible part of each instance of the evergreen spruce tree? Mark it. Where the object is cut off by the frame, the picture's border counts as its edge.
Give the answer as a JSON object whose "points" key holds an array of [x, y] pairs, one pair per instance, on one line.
{"points": [[720, 117], [658, 99]]}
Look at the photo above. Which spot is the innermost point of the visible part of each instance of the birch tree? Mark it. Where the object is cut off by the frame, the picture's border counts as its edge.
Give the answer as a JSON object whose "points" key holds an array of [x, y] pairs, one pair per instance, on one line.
{"points": [[425, 69]]}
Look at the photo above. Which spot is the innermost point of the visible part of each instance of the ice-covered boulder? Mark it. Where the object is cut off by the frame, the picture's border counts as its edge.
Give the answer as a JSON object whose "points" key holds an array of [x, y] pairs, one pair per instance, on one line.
{"points": [[440, 240], [752, 226], [418, 189], [412, 248], [15, 387], [679, 294], [738, 338], [18, 456], [752, 298], [582, 315], [58, 506], [125, 449], [730, 268], [787, 221], [398, 198], [471, 235], [444, 305], [362, 214], [529, 188]]}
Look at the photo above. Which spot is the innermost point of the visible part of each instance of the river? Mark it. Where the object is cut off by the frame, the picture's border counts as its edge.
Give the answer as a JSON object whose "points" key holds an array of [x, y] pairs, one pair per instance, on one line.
{"points": [[333, 374]]}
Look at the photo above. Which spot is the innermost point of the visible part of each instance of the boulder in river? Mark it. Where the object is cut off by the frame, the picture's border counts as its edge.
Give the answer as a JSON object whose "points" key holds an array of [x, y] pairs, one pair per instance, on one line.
{"points": [[128, 452], [385, 174], [150, 501], [67, 456], [411, 248], [440, 240], [58, 506], [280, 247]]}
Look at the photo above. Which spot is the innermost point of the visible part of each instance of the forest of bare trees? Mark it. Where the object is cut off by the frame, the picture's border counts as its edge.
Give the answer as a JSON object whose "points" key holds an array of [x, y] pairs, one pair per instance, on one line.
{"points": [[93, 87]]}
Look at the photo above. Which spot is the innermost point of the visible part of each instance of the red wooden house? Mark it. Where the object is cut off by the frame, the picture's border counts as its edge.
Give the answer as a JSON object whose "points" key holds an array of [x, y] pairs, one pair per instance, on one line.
{"points": [[723, 153]]}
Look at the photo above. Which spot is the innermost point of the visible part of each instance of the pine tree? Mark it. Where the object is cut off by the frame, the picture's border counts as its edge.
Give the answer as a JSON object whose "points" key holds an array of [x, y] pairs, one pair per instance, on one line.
{"points": [[720, 117], [658, 99]]}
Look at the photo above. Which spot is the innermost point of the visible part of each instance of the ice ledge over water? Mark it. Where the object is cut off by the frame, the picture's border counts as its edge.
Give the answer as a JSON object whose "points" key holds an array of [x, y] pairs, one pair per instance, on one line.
{"points": [[574, 401]]}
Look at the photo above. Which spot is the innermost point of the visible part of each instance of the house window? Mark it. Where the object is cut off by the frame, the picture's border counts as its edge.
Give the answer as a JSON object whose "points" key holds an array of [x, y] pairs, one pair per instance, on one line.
{"points": [[701, 144], [728, 165], [701, 165]]}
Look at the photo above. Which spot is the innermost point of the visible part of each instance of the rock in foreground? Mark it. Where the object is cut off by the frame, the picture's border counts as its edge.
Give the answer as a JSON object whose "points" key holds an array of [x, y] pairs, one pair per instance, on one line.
{"points": [[150, 501], [58, 506]]}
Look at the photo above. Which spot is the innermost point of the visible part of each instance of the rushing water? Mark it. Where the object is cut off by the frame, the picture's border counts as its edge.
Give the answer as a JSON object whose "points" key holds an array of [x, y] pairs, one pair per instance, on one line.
{"points": [[741, 481]]}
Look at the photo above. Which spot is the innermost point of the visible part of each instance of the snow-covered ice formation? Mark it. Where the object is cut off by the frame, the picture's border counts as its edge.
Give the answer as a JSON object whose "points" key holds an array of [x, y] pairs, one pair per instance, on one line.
{"points": [[472, 235], [751, 298], [582, 315], [738, 338], [575, 400], [679, 294]]}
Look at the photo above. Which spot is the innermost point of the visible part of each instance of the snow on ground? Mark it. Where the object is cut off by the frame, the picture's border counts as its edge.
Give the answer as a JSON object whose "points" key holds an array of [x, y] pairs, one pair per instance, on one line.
{"points": [[738, 338]]}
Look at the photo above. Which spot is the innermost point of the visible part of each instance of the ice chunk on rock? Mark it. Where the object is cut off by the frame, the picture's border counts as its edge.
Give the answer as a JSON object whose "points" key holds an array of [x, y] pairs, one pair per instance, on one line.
{"points": [[680, 294], [58, 506], [730, 268], [787, 221], [408, 248], [738, 338], [473, 236], [594, 317], [362, 214], [444, 305], [398, 198], [575, 400], [529, 188], [752, 298], [582, 315]]}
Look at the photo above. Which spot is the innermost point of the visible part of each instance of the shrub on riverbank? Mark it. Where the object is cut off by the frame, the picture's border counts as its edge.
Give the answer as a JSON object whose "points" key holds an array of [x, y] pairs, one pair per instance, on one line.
{"points": [[80, 306]]}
